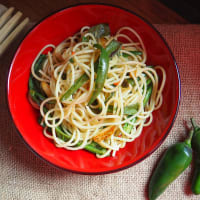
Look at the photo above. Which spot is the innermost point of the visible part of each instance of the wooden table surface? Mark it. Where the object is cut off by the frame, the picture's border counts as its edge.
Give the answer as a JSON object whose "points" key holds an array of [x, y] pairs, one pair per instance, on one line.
{"points": [[152, 10]]}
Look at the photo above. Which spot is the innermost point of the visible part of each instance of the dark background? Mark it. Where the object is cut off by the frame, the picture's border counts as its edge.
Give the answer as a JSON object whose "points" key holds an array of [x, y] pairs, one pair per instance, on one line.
{"points": [[155, 11], [189, 9]]}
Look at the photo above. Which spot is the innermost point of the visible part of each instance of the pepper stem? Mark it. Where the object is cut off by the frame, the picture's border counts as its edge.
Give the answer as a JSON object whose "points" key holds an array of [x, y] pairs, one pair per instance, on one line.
{"points": [[188, 140], [193, 123]]}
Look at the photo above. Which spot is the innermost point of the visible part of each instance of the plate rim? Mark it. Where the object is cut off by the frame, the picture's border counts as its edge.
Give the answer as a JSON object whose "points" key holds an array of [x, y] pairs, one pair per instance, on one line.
{"points": [[103, 171]]}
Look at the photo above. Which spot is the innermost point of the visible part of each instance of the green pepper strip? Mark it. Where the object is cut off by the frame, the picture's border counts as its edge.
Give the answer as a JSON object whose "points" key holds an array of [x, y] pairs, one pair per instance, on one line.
{"points": [[71, 60], [133, 52], [109, 97], [128, 110], [102, 71], [39, 62], [150, 66], [132, 82], [35, 91], [78, 83], [112, 48], [92, 147], [36, 95], [100, 30], [148, 95], [33, 83], [128, 127], [195, 186], [132, 109], [85, 39]]}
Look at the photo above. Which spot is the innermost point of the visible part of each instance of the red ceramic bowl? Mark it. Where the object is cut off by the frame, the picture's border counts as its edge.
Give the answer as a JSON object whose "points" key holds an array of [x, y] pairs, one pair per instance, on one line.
{"points": [[55, 29]]}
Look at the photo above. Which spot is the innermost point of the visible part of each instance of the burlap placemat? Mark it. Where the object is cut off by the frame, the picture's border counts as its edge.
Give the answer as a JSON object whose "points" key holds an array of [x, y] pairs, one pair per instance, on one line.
{"points": [[23, 176]]}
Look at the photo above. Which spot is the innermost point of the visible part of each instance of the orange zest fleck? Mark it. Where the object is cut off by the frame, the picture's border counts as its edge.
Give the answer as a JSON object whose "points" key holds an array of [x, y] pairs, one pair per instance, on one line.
{"points": [[116, 83], [105, 133], [134, 73], [96, 55], [88, 86], [102, 41]]}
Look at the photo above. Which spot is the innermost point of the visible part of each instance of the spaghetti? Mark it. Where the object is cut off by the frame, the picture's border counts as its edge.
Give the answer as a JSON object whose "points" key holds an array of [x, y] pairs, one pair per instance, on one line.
{"points": [[64, 81]]}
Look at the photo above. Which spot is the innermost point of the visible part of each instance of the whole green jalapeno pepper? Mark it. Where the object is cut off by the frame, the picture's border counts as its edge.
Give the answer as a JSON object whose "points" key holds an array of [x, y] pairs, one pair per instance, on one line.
{"points": [[196, 148], [174, 161]]}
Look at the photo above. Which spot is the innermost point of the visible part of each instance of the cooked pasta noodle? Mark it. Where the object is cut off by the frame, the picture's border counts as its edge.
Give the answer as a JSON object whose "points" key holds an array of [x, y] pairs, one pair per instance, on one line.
{"points": [[119, 113]]}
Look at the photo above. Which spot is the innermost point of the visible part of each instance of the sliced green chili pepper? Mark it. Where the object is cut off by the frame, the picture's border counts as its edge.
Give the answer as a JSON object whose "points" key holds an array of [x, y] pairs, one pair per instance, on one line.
{"points": [[100, 30], [196, 147], [128, 110], [37, 95], [102, 71], [174, 161], [148, 95], [150, 66], [92, 147], [110, 109], [40, 122], [34, 98], [78, 83], [113, 47], [132, 82], [33, 83], [71, 60], [85, 39], [35, 91], [39, 62], [139, 53], [131, 110], [95, 148], [109, 97], [148, 81], [128, 127]]}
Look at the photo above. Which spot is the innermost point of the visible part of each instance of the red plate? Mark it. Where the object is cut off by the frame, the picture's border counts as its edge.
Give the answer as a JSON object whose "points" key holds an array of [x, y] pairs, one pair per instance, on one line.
{"points": [[55, 29]]}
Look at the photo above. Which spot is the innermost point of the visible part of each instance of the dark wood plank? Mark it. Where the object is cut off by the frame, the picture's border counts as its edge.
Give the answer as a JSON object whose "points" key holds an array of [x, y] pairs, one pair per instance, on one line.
{"points": [[152, 10]]}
